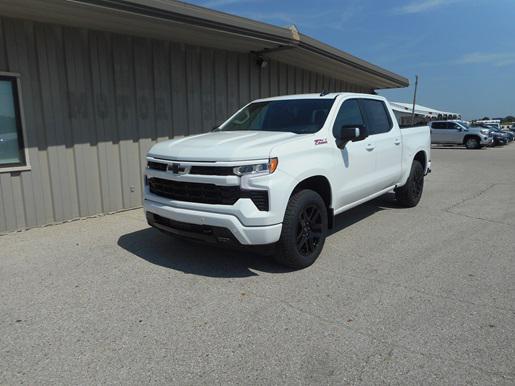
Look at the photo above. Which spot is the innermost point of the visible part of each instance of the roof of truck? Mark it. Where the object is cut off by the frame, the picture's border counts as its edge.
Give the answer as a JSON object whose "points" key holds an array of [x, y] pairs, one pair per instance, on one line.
{"points": [[331, 95]]}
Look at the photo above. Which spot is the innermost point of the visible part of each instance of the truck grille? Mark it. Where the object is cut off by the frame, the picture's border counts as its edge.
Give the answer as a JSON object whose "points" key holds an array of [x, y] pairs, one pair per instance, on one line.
{"points": [[212, 170], [157, 166], [198, 170], [206, 193]]}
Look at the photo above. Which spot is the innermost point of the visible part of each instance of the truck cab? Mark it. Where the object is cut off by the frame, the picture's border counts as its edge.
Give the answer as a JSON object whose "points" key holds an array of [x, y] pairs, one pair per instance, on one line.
{"points": [[278, 170]]}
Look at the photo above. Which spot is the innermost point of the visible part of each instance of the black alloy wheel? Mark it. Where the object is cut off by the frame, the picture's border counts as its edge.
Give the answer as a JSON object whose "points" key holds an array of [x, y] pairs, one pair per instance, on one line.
{"points": [[304, 230], [418, 182], [309, 230], [410, 193]]}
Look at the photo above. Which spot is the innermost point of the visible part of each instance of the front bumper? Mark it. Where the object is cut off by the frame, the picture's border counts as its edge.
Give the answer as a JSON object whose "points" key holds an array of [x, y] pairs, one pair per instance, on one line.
{"points": [[485, 140], [499, 141], [245, 235]]}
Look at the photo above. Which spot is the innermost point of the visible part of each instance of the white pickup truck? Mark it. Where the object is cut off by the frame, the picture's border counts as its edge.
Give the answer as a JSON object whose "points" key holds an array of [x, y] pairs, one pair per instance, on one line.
{"points": [[279, 170]]}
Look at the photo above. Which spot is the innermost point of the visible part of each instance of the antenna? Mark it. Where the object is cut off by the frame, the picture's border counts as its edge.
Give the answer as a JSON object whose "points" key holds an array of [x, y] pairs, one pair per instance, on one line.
{"points": [[414, 101], [324, 93]]}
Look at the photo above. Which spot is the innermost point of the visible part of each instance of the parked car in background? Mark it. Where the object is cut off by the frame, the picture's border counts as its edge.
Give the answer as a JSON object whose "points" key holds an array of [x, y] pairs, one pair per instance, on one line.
{"points": [[489, 122], [279, 169], [511, 135], [459, 133], [500, 137]]}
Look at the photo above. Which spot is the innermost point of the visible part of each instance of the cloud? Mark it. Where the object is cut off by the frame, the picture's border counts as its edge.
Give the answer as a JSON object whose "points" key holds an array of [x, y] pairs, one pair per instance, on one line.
{"points": [[499, 59], [421, 6]]}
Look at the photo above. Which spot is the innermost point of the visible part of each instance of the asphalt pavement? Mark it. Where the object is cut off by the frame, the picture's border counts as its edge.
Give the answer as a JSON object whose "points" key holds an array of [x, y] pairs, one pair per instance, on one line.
{"points": [[399, 296]]}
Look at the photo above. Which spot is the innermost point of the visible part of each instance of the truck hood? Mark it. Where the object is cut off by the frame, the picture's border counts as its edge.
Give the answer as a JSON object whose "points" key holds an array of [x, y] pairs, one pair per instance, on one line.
{"points": [[220, 146]]}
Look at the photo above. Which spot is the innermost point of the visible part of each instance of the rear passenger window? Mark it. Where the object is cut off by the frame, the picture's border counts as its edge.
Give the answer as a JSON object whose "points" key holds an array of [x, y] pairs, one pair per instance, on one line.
{"points": [[349, 115], [438, 125], [378, 120]]}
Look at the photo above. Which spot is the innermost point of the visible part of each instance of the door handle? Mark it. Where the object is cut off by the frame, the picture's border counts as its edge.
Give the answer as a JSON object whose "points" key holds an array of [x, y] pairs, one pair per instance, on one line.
{"points": [[397, 141], [370, 147]]}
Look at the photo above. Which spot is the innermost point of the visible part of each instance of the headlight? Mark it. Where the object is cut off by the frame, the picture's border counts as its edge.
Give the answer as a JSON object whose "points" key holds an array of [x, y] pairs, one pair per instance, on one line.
{"points": [[485, 131], [263, 168]]}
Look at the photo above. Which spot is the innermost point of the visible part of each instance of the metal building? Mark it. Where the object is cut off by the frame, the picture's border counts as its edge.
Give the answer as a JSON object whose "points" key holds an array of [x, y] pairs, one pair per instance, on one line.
{"points": [[87, 86]]}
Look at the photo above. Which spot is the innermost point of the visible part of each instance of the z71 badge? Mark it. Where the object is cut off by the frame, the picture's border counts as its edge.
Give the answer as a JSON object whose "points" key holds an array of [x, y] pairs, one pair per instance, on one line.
{"points": [[320, 141]]}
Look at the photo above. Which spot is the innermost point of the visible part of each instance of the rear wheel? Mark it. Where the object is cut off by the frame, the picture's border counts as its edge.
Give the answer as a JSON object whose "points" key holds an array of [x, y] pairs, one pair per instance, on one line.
{"points": [[304, 230], [409, 195], [472, 143]]}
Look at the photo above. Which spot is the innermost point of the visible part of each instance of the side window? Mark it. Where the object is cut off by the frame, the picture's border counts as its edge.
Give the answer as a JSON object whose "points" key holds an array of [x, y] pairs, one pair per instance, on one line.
{"points": [[439, 125], [12, 152], [378, 119], [349, 115]]}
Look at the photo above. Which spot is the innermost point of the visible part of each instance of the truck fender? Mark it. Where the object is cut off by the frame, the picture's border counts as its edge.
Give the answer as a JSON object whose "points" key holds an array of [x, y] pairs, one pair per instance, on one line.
{"points": [[420, 155]]}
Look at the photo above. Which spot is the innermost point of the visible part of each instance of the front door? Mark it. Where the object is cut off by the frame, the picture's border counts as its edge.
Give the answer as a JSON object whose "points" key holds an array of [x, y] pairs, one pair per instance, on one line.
{"points": [[446, 132], [454, 133], [356, 162]]}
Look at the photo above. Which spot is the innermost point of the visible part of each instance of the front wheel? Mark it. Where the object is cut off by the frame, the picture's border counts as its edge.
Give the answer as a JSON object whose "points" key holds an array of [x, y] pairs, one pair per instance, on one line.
{"points": [[409, 195], [472, 143], [304, 230]]}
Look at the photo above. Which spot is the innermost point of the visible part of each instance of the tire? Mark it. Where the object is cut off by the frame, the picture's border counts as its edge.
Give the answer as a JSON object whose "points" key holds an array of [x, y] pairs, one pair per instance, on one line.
{"points": [[304, 230], [409, 195], [472, 143]]}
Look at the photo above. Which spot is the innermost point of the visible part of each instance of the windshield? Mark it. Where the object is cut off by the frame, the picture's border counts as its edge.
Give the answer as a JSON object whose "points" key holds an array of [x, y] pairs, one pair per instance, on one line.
{"points": [[300, 116], [494, 128]]}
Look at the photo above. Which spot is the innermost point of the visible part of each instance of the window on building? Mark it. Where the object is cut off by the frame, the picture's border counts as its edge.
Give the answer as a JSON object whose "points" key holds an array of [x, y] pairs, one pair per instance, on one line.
{"points": [[12, 151]]}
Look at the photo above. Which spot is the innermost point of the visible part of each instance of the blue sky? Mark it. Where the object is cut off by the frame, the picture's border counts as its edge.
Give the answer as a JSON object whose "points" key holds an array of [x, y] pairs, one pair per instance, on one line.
{"points": [[462, 50]]}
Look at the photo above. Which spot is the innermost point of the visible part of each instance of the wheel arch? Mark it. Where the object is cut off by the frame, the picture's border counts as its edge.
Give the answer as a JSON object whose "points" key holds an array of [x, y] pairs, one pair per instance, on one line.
{"points": [[470, 136], [321, 185], [421, 157]]}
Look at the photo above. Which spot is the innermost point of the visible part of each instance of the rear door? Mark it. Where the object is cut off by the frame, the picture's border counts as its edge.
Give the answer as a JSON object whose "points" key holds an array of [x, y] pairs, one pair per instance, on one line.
{"points": [[356, 162], [384, 141], [438, 132]]}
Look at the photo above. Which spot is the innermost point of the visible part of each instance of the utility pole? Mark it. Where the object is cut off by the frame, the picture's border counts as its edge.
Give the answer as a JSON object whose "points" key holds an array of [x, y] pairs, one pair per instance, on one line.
{"points": [[414, 101]]}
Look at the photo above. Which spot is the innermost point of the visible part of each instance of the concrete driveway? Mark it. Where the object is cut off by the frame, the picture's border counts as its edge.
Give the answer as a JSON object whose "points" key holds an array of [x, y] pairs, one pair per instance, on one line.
{"points": [[411, 296]]}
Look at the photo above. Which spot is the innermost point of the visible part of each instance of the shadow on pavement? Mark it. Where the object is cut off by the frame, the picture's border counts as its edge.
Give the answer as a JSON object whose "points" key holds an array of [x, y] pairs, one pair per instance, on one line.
{"points": [[457, 147], [363, 211], [196, 258], [212, 261]]}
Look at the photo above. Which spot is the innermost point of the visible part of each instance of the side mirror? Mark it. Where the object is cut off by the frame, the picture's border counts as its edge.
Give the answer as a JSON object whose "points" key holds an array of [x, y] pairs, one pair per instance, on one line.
{"points": [[351, 133]]}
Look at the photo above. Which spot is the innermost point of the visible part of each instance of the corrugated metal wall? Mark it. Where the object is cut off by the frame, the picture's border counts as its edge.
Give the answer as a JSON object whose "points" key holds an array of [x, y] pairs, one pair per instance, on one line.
{"points": [[94, 103]]}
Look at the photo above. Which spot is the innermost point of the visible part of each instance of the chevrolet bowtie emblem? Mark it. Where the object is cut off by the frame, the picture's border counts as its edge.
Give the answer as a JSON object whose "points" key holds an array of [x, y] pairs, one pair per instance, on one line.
{"points": [[174, 168]]}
